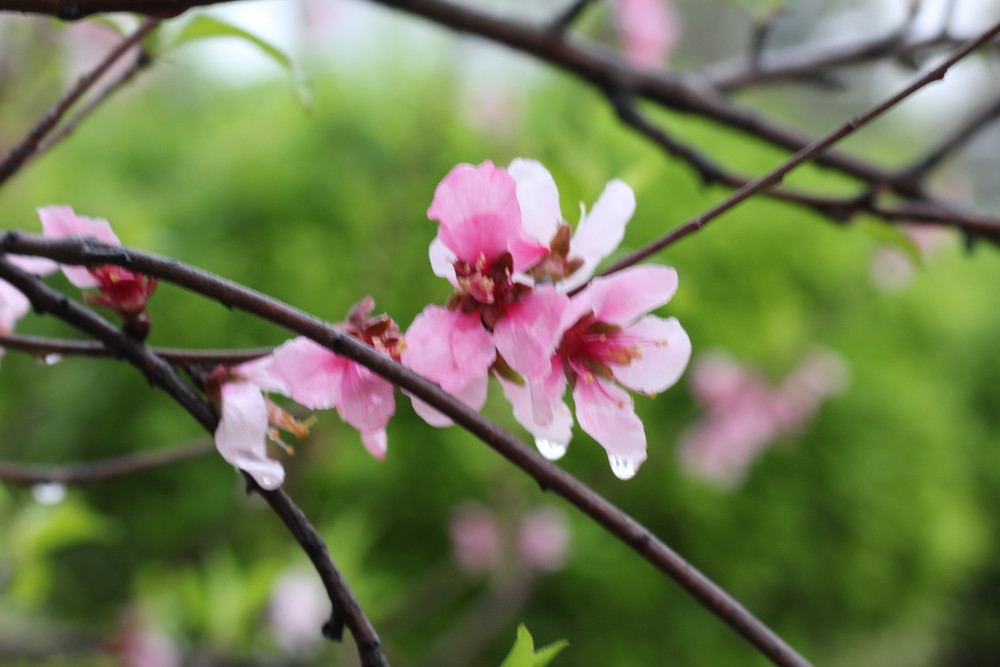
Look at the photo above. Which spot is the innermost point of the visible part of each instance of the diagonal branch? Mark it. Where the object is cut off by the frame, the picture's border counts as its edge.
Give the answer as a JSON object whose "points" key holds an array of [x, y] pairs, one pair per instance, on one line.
{"points": [[956, 140], [161, 374], [565, 19], [82, 251], [776, 175], [19, 154]]}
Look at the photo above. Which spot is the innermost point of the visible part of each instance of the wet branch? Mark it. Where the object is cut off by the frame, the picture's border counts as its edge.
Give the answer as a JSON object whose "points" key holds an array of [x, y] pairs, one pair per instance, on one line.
{"points": [[19, 154], [159, 373], [82, 251]]}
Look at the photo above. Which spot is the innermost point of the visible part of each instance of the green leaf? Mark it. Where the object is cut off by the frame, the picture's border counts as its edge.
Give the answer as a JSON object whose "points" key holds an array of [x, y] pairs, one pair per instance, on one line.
{"points": [[523, 653], [206, 27]]}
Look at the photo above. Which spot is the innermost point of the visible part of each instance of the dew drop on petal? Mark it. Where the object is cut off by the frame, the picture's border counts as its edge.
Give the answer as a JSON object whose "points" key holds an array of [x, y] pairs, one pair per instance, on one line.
{"points": [[50, 359], [550, 449], [50, 493], [622, 468]]}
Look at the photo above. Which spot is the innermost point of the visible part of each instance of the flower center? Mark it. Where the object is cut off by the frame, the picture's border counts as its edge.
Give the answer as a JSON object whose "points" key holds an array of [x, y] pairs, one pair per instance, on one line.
{"points": [[590, 347], [486, 288]]}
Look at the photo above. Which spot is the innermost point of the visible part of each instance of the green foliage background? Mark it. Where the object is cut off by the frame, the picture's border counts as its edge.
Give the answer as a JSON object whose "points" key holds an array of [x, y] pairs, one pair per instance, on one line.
{"points": [[869, 540]]}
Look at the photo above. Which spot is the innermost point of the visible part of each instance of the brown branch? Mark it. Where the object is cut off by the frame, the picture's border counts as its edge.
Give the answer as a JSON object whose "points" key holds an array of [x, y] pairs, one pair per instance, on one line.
{"points": [[161, 374], [19, 154], [811, 64], [961, 136], [105, 469], [40, 346], [141, 62], [565, 19], [82, 251], [776, 175]]}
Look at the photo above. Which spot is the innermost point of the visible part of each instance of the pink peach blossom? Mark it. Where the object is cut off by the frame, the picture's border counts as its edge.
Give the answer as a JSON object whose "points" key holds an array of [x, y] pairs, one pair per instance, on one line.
{"points": [[648, 29]]}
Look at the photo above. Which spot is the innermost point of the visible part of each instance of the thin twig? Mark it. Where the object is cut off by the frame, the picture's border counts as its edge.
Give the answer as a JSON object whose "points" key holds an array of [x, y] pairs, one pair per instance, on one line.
{"points": [[98, 471], [161, 374], [81, 251], [40, 346], [956, 140], [776, 175], [17, 155], [141, 62]]}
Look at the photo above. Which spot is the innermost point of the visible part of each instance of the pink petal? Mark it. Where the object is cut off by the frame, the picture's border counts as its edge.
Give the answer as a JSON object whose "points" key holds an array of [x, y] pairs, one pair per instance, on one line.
{"points": [[60, 222], [40, 266], [556, 428], [473, 395], [448, 347], [478, 211], [311, 374], [666, 350], [259, 373], [528, 333], [539, 199], [242, 433], [367, 400], [376, 442], [13, 306], [623, 297], [606, 413], [600, 231]]}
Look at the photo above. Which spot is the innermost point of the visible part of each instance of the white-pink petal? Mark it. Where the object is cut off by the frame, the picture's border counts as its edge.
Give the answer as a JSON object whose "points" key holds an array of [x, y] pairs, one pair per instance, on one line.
{"points": [[13, 306], [449, 347], [666, 350], [539, 199], [624, 296], [367, 400], [60, 222], [442, 261], [557, 427], [376, 442], [605, 411], [40, 266], [311, 374], [600, 231], [242, 433], [529, 331]]}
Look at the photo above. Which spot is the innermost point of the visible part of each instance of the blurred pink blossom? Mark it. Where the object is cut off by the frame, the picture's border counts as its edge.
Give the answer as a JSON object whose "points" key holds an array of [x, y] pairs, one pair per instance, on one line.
{"points": [[139, 643], [297, 611], [475, 537], [478, 542], [892, 269], [743, 414], [649, 30], [543, 540]]}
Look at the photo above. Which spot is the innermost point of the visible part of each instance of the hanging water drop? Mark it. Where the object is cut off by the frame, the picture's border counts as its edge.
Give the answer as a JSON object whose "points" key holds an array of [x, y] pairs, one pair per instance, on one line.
{"points": [[50, 359], [48, 493], [550, 449], [623, 468]]}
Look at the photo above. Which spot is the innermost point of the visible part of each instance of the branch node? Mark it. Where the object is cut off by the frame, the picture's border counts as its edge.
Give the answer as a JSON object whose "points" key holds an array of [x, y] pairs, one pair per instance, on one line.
{"points": [[333, 629]]}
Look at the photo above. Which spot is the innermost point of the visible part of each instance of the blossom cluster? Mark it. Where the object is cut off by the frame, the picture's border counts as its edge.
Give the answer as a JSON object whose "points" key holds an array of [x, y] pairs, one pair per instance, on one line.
{"points": [[524, 309]]}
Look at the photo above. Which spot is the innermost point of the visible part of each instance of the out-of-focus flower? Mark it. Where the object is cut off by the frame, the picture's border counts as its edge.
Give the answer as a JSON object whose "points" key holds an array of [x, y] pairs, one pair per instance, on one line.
{"points": [[317, 378], [648, 29], [743, 414], [543, 540], [892, 269], [297, 611], [139, 643], [569, 262], [475, 537]]}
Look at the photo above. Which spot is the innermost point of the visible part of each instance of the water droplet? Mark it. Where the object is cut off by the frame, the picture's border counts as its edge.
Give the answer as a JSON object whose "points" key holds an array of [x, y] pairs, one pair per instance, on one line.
{"points": [[50, 359], [623, 468], [550, 449], [50, 493]]}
